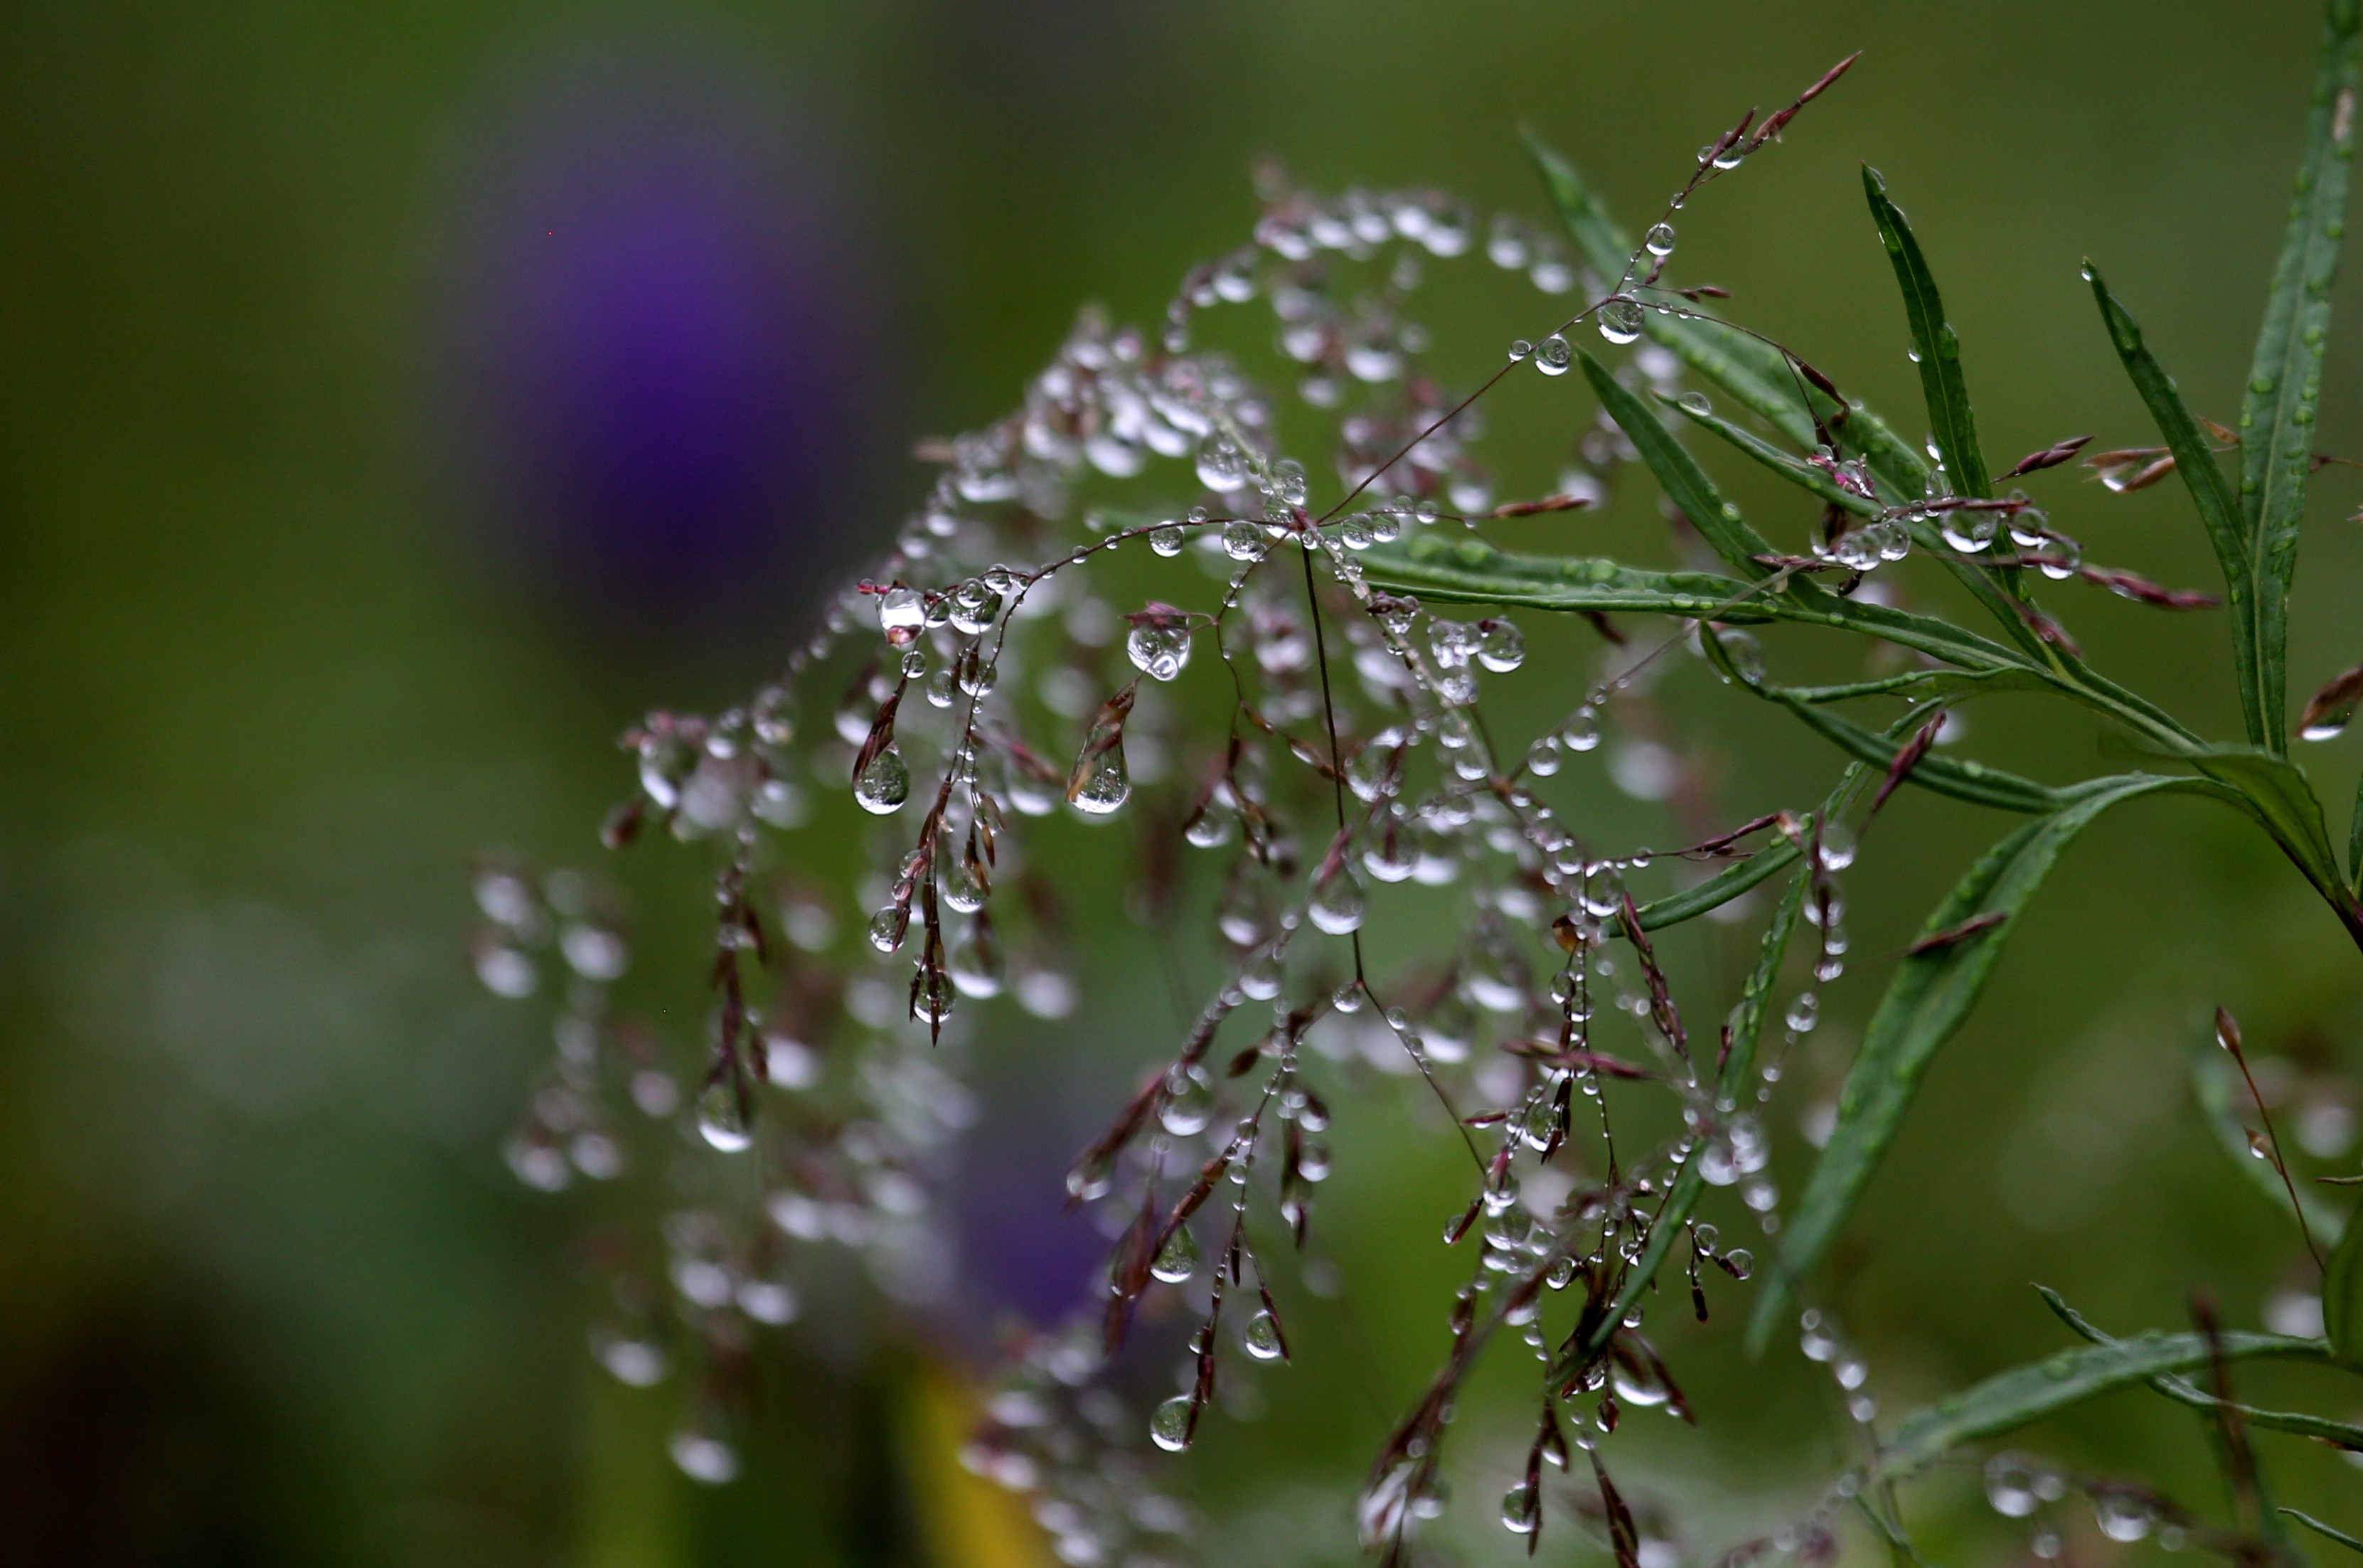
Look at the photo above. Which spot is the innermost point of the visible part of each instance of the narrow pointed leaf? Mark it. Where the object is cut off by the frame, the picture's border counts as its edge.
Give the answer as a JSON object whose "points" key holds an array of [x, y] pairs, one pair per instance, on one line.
{"points": [[2285, 378], [2276, 792], [1969, 781], [2210, 494], [1749, 370], [1795, 470], [2315, 1525], [2009, 1400], [2182, 1391], [2342, 1297], [1933, 341], [1685, 483], [1924, 1003]]}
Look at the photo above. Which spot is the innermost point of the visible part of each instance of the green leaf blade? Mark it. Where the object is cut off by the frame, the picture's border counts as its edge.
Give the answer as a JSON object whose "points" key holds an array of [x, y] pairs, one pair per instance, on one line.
{"points": [[1926, 1000], [1685, 483], [1934, 344], [2277, 416], [2218, 509], [2012, 1399]]}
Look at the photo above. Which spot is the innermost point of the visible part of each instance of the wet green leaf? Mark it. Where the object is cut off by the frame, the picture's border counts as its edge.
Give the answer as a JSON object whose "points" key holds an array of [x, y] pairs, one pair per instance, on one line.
{"points": [[2210, 492], [1685, 483], [2276, 417], [1930, 994], [1934, 344], [2009, 1400]]}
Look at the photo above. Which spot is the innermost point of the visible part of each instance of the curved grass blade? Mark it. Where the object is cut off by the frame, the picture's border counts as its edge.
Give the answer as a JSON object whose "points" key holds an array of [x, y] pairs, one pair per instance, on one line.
{"points": [[2218, 511], [2285, 378], [1925, 1002], [1685, 483], [2218, 1093], [1968, 781], [2342, 1295], [1717, 890], [2315, 1525], [1749, 369], [1935, 344], [1471, 570], [2182, 1391], [2011, 1399], [2277, 791], [1795, 470]]}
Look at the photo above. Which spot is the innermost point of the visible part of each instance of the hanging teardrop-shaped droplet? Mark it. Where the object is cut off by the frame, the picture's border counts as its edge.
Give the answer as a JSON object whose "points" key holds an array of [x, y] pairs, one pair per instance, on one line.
{"points": [[1582, 732], [1501, 645], [1169, 1424], [1620, 320], [887, 927], [1189, 1101], [1552, 355], [1520, 1510], [1167, 539], [957, 885], [725, 1115], [1243, 540], [1177, 1259], [1837, 846], [1101, 784], [1969, 532], [885, 784], [1338, 905], [902, 615], [1221, 464], [1159, 647], [1638, 1387], [1659, 240], [1263, 1339]]}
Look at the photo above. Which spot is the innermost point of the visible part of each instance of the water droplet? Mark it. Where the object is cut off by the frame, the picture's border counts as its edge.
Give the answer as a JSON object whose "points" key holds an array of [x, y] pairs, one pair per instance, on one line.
{"points": [[725, 1116], [1659, 240], [1158, 647], [1338, 905], [1177, 1259], [1169, 1424], [1106, 785], [1968, 532], [2124, 1516], [885, 784], [1520, 350], [1243, 540], [1263, 1339], [1620, 320], [1695, 403], [902, 615], [1221, 464], [2009, 1485], [1501, 645], [1582, 732], [1521, 1509], [1552, 355], [1189, 1101], [1637, 1387], [1837, 846], [1167, 539], [704, 1457]]}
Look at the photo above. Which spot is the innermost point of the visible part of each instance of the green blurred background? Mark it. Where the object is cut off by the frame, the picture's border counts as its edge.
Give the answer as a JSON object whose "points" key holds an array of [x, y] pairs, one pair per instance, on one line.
{"points": [[307, 599]]}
